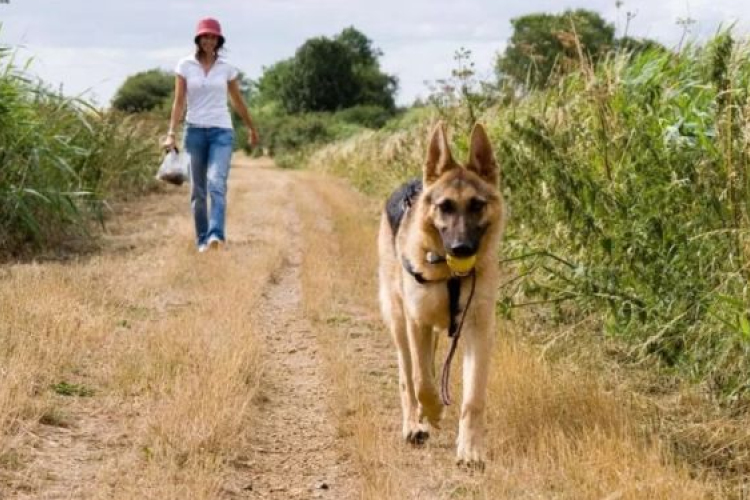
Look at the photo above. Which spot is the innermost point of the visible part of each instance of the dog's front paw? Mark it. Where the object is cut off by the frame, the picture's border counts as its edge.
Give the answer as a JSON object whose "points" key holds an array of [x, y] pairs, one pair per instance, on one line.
{"points": [[431, 409], [470, 453], [417, 437], [416, 434], [473, 465]]}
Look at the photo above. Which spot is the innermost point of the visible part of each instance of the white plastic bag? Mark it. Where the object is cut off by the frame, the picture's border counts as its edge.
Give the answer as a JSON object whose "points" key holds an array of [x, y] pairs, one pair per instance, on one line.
{"points": [[174, 167]]}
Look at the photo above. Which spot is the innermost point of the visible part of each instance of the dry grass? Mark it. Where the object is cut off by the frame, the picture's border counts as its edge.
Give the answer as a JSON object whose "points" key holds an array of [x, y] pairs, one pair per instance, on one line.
{"points": [[43, 335], [555, 430], [162, 340], [160, 336]]}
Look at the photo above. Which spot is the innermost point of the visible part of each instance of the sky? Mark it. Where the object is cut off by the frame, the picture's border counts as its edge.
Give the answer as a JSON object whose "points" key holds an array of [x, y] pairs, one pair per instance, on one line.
{"points": [[89, 48]]}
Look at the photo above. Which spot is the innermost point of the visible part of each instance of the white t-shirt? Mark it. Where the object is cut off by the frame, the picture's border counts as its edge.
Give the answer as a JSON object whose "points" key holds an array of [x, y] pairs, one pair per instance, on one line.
{"points": [[207, 93]]}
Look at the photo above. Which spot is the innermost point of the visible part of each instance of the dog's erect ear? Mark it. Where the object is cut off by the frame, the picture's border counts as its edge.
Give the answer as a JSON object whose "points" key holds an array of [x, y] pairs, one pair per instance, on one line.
{"points": [[439, 158], [481, 159]]}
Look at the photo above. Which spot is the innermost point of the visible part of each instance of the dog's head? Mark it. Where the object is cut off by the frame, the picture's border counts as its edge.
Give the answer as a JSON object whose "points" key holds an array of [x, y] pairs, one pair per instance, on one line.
{"points": [[462, 202]]}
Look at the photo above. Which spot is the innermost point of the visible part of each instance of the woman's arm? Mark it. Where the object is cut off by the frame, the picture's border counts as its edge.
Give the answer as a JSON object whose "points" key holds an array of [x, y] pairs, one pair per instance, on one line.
{"points": [[238, 103], [178, 110]]}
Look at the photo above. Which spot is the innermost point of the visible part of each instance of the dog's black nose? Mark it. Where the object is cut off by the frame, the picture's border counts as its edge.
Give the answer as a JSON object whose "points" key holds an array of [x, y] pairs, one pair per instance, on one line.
{"points": [[463, 249]]}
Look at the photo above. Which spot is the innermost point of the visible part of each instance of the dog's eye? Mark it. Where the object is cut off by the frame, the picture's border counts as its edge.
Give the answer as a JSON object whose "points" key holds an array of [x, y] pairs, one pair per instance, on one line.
{"points": [[447, 207], [476, 205]]}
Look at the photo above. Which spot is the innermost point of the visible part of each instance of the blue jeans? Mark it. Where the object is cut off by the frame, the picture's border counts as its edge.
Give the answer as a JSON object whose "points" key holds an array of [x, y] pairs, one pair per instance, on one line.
{"points": [[210, 150]]}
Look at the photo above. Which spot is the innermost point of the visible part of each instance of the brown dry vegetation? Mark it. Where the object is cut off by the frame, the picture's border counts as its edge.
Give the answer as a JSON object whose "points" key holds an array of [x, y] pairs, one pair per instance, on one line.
{"points": [[168, 363], [158, 347]]}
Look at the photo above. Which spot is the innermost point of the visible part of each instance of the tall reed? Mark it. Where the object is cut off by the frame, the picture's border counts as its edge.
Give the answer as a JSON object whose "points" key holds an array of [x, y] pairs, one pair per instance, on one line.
{"points": [[61, 159]]}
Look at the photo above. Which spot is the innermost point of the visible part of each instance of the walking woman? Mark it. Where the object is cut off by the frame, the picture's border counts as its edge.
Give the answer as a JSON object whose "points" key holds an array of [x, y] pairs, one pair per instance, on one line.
{"points": [[202, 81]]}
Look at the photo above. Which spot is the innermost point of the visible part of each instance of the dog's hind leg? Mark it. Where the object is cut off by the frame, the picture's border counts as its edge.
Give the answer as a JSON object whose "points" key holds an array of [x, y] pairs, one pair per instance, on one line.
{"points": [[478, 341], [422, 346]]}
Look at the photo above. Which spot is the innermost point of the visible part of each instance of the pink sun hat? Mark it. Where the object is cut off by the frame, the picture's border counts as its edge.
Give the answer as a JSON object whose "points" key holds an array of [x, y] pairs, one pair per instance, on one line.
{"points": [[208, 26]]}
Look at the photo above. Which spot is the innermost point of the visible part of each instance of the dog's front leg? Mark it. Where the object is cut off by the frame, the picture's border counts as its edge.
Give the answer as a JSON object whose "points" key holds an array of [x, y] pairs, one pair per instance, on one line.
{"points": [[477, 352], [422, 347], [410, 429]]}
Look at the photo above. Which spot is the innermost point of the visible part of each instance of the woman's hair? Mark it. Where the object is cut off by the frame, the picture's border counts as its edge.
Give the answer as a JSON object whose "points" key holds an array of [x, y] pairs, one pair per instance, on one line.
{"points": [[199, 50]]}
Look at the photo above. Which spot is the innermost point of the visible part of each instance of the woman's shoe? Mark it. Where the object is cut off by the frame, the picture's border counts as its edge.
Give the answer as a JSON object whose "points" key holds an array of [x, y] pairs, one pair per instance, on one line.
{"points": [[215, 243]]}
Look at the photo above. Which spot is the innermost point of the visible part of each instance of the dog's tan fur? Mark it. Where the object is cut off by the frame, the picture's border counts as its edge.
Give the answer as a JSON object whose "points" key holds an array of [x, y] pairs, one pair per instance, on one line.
{"points": [[418, 313]]}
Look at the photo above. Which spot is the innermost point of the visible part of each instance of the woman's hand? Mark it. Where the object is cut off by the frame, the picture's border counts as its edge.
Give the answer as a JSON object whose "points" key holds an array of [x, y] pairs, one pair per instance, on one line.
{"points": [[169, 143]]}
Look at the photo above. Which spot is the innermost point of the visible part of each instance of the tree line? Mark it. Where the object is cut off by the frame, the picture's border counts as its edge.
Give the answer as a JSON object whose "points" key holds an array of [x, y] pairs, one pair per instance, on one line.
{"points": [[333, 74], [324, 75]]}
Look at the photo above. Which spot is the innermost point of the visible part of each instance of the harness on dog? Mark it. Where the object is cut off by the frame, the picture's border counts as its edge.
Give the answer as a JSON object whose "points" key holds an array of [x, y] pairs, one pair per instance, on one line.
{"points": [[454, 326]]}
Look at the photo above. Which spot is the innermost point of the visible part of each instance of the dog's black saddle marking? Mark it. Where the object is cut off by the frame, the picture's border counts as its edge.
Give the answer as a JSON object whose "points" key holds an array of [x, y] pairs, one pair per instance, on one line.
{"points": [[400, 201]]}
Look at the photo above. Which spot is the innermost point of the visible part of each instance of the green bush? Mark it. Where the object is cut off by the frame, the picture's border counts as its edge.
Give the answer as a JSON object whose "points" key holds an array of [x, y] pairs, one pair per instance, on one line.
{"points": [[145, 91], [61, 159], [288, 137], [366, 116], [629, 190]]}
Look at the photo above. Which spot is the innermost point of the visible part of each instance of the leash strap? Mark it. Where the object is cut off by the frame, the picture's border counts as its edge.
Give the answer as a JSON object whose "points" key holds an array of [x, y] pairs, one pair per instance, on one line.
{"points": [[454, 332], [454, 294]]}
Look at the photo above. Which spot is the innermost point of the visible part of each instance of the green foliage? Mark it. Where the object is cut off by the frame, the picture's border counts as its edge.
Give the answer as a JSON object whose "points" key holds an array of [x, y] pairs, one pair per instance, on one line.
{"points": [[543, 45], [286, 136], [327, 75], [270, 85], [628, 188], [359, 47], [636, 45], [67, 389], [375, 87], [285, 133], [321, 78], [145, 91], [327, 91], [61, 159], [366, 115]]}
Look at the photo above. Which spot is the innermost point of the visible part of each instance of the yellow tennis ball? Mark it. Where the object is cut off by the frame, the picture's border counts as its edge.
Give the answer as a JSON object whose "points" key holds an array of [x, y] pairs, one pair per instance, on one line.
{"points": [[461, 265]]}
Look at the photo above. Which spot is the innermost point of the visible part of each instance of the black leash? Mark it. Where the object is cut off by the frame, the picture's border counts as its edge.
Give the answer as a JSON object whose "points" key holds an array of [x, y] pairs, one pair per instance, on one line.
{"points": [[454, 326]]}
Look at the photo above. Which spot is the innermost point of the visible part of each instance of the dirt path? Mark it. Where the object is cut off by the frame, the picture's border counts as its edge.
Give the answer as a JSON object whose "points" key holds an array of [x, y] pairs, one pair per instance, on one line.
{"points": [[295, 453], [156, 309]]}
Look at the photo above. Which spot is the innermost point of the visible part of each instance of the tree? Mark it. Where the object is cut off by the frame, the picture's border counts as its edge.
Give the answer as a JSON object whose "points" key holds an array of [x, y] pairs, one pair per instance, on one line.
{"points": [[321, 78], [637, 45], [376, 87], [328, 75], [360, 47], [145, 91], [545, 44], [272, 81]]}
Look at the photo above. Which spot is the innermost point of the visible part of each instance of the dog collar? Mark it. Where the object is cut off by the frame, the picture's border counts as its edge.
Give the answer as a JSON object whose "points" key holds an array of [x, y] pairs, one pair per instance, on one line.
{"points": [[430, 258], [414, 274]]}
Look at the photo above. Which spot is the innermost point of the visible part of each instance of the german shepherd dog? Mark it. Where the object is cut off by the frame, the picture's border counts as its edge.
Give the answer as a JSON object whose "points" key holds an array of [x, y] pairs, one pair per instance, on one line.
{"points": [[453, 211]]}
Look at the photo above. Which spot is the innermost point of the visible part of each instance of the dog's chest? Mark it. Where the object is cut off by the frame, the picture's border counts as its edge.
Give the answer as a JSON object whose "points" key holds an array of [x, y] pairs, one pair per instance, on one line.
{"points": [[429, 303]]}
